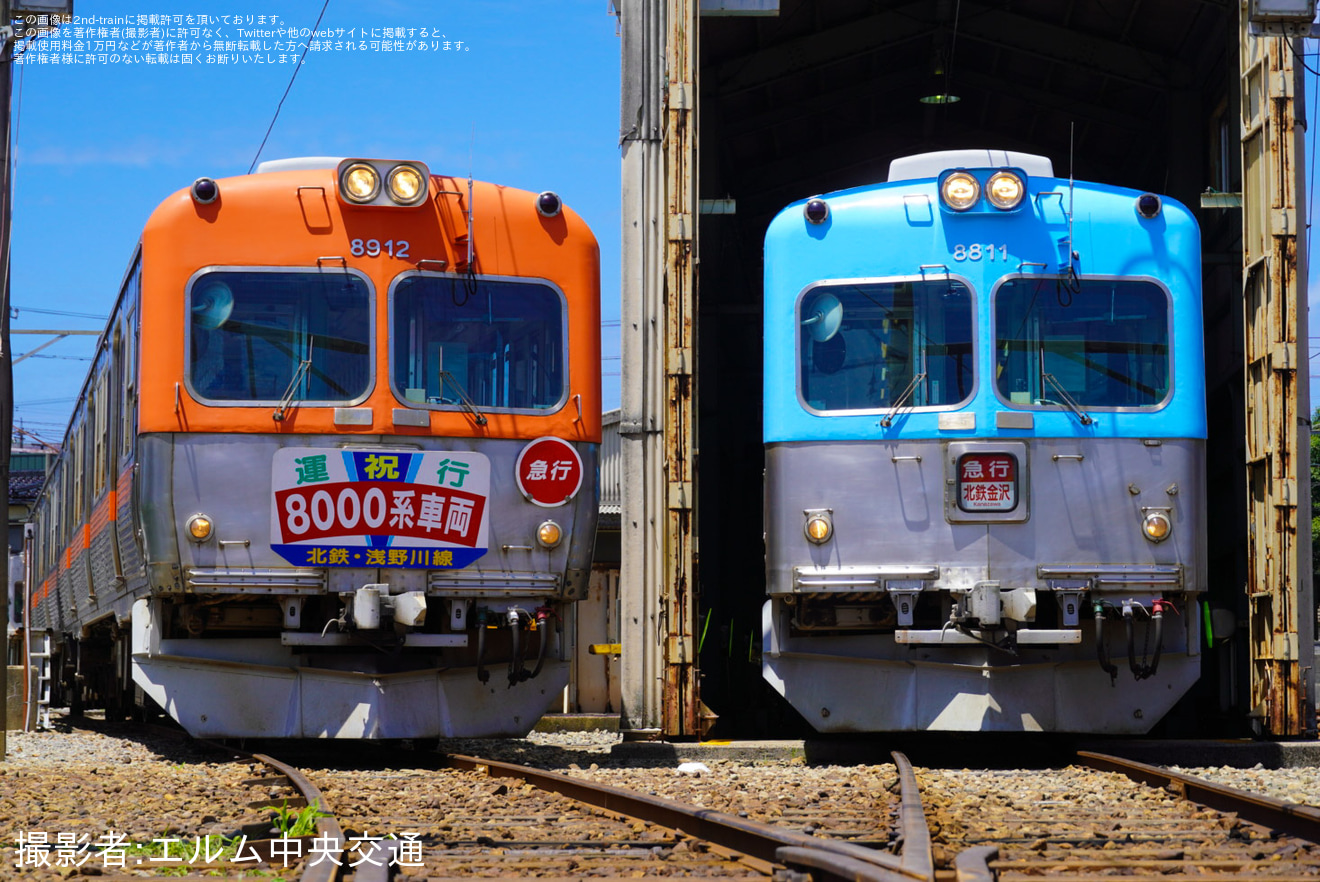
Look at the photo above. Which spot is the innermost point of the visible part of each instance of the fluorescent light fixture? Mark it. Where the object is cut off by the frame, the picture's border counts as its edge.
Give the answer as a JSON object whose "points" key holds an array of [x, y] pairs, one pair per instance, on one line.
{"points": [[1298, 11]]}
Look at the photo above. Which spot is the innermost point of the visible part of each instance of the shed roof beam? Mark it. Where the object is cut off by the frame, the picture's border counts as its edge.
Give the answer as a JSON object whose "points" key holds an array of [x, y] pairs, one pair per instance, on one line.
{"points": [[789, 58], [1049, 100], [1068, 47], [847, 97]]}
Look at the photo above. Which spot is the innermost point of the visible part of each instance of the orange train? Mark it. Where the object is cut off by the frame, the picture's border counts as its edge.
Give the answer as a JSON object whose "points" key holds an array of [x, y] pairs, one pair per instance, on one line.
{"points": [[335, 461]]}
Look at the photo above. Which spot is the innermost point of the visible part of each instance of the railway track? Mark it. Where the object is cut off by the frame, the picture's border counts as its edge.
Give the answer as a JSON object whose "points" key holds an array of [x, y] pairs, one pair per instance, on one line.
{"points": [[472, 817], [467, 817], [1104, 816]]}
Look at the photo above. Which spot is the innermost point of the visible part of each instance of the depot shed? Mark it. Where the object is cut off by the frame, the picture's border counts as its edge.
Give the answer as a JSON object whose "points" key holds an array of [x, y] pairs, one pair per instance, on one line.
{"points": [[731, 109]]}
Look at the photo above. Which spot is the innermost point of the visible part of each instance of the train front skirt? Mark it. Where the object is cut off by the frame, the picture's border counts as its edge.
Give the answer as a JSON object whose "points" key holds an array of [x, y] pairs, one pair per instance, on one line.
{"points": [[229, 688], [837, 692]]}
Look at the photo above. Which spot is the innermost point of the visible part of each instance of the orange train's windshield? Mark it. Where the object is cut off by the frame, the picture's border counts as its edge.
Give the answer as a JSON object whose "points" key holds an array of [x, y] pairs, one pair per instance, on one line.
{"points": [[262, 335], [500, 343]]}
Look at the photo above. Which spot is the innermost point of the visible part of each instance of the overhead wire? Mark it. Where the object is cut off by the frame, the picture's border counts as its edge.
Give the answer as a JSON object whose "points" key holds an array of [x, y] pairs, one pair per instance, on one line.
{"points": [[64, 312], [315, 28]]}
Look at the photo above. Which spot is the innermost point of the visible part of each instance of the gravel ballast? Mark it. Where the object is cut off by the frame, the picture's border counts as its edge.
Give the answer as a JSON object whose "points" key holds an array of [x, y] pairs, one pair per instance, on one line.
{"points": [[91, 780], [99, 799]]}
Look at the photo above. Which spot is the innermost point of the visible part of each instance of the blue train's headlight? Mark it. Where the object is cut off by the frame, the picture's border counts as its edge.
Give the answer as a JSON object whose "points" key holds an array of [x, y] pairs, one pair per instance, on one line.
{"points": [[1005, 190], [960, 191], [1156, 525]]}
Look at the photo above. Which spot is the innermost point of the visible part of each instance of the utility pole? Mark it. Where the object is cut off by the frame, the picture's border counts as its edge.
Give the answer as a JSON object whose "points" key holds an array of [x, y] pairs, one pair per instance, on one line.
{"points": [[6, 351]]}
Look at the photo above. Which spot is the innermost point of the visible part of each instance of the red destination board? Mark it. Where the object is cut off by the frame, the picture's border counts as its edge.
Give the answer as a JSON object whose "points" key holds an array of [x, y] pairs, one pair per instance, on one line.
{"points": [[987, 482]]}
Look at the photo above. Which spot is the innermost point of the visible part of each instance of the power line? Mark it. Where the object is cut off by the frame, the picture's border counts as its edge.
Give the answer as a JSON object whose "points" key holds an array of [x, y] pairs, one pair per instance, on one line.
{"points": [[55, 357], [316, 27], [88, 315], [43, 401]]}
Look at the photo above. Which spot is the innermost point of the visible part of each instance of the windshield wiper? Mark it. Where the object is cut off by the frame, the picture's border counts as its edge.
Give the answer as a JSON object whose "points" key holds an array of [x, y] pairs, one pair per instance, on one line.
{"points": [[477, 416], [907, 393], [1070, 402], [286, 400]]}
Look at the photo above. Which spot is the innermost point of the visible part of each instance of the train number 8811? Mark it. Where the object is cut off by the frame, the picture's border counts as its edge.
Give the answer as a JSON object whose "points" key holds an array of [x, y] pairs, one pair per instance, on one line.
{"points": [[977, 251]]}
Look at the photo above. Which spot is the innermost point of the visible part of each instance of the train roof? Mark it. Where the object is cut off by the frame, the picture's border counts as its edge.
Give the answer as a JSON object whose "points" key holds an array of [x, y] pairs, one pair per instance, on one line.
{"points": [[929, 165]]}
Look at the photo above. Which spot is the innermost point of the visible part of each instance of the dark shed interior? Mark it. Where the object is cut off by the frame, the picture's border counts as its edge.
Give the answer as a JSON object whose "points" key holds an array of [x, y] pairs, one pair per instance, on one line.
{"points": [[1139, 93]]}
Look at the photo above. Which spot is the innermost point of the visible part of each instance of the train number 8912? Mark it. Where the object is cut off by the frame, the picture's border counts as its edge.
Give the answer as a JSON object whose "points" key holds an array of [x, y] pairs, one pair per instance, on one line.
{"points": [[373, 247]]}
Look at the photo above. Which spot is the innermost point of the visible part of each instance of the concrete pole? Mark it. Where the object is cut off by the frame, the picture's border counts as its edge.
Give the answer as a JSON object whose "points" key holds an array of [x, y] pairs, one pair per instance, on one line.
{"points": [[6, 352], [642, 422]]}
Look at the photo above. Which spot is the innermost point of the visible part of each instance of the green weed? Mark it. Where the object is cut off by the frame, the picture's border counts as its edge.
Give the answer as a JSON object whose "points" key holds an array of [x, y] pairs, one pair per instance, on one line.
{"points": [[296, 822]]}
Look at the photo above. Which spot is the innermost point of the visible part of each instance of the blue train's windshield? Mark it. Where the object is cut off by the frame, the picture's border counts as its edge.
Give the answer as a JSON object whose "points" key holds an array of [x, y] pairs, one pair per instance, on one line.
{"points": [[258, 335], [500, 342], [1105, 342], [864, 345]]}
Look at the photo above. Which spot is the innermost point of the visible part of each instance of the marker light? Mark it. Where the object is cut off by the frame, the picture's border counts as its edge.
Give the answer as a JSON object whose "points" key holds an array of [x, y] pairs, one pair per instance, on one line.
{"points": [[1005, 190], [205, 191], [816, 210], [819, 527], [960, 191], [1157, 526], [199, 527], [549, 534], [1149, 205], [359, 183], [406, 185], [548, 204]]}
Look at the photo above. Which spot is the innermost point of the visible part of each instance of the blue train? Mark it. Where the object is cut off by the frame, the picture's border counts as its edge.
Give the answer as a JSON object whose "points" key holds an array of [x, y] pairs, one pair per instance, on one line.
{"points": [[984, 428]]}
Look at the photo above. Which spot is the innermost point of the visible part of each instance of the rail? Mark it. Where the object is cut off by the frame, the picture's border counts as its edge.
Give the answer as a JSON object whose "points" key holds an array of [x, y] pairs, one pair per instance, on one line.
{"points": [[823, 859], [1302, 821], [1276, 816], [327, 827]]}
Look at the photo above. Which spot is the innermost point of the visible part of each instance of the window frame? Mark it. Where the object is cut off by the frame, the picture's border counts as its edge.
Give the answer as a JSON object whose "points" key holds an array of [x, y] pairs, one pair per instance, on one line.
{"points": [[565, 387], [1055, 408], [129, 334], [372, 342], [99, 409], [974, 340]]}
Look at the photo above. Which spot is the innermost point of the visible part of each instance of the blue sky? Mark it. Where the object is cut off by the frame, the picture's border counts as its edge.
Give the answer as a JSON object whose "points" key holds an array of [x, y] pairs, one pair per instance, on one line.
{"points": [[531, 101]]}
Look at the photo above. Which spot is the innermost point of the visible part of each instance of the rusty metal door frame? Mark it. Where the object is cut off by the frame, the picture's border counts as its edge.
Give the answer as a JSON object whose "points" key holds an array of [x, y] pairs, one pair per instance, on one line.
{"points": [[679, 592], [658, 429], [1281, 623]]}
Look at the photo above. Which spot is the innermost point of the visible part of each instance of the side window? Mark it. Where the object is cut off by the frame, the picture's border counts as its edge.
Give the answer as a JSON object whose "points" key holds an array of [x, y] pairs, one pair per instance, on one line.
{"points": [[77, 475], [53, 517], [99, 408], [128, 385], [66, 495], [120, 390], [128, 365]]}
